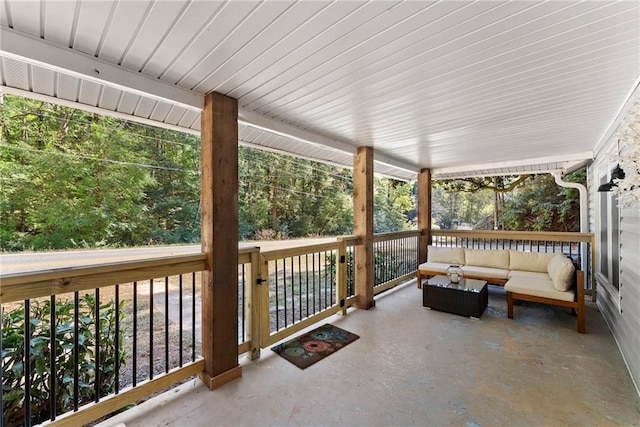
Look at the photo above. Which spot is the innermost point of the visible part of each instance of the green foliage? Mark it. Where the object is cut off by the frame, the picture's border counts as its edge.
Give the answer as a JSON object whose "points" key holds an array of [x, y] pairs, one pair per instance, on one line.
{"points": [[77, 179], [282, 197], [72, 179], [41, 353], [393, 203], [532, 203], [451, 209], [544, 206]]}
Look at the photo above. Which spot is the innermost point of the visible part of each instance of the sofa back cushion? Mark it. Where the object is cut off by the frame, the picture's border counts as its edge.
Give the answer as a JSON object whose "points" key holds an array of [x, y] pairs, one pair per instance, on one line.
{"points": [[446, 255], [529, 261], [487, 258], [561, 270]]}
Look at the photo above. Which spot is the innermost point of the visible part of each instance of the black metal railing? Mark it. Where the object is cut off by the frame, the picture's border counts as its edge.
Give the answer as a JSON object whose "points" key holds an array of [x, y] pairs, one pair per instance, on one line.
{"points": [[301, 286], [67, 350], [395, 256]]}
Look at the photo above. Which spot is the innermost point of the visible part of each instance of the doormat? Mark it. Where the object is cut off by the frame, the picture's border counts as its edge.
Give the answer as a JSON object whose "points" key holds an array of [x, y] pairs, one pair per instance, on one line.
{"points": [[307, 349]]}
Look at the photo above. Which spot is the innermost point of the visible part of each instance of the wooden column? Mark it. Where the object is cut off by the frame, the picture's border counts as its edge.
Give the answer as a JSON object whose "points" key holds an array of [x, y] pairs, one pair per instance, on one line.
{"points": [[424, 215], [424, 212], [219, 229], [363, 226]]}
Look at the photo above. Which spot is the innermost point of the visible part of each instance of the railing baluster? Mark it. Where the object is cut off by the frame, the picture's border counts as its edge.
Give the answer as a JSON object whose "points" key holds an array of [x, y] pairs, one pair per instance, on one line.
{"points": [[52, 358], [300, 284], [166, 324], [76, 349], [1, 370], [116, 346], [325, 281], [193, 316], [27, 363], [313, 266], [135, 334], [277, 285], [306, 269], [320, 283], [180, 322], [97, 353], [293, 293], [151, 329]]}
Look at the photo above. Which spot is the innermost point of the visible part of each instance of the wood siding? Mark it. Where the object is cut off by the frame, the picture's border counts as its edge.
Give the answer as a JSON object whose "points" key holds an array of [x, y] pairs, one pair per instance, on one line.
{"points": [[620, 308]]}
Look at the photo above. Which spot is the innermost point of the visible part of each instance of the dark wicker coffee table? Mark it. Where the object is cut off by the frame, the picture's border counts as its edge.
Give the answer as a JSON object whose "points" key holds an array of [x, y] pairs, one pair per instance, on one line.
{"points": [[468, 298]]}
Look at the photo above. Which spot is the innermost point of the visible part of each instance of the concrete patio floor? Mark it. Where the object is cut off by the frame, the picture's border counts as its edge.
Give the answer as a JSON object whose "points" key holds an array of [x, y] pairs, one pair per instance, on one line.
{"points": [[414, 366]]}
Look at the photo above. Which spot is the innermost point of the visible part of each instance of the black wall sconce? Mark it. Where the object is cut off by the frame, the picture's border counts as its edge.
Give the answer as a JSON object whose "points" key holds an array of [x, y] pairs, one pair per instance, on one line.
{"points": [[616, 173]]}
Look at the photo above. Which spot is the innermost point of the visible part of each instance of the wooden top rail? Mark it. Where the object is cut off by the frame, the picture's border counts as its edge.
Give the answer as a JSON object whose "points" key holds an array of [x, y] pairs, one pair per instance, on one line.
{"points": [[551, 236], [299, 250], [380, 237], [244, 254], [22, 286]]}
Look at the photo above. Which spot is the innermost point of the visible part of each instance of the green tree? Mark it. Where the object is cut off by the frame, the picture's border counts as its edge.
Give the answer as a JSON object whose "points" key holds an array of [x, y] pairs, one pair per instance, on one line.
{"points": [[527, 203], [172, 198], [393, 203], [67, 177], [281, 196], [542, 205]]}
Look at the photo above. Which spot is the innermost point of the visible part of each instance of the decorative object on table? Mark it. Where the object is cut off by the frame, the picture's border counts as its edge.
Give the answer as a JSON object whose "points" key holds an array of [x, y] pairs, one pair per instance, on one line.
{"points": [[311, 347], [455, 273]]}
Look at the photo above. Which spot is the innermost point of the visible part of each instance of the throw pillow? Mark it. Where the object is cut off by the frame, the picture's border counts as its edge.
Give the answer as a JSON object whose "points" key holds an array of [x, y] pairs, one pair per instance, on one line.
{"points": [[561, 271]]}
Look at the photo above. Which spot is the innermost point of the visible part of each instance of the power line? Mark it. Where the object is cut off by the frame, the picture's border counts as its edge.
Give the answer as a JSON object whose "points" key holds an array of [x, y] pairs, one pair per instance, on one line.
{"points": [[289, 190], [290, 160], [80, 156]]}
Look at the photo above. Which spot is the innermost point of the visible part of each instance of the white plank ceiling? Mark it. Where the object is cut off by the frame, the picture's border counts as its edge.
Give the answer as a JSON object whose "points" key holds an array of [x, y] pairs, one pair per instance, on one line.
{"points": [[461, 87]]}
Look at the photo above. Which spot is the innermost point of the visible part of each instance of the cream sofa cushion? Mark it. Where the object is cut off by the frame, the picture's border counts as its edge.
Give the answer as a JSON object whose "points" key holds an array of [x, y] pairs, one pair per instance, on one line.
{"points": [[529, 261], [497, 258], [434, 267], [538, 287], [446, 255], [486, 272], [520, 273], [561, 271]]}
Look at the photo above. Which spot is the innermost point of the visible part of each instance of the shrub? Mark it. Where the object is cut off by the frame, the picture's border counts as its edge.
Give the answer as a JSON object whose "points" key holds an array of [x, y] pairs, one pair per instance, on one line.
{"points": [[41, 355]]}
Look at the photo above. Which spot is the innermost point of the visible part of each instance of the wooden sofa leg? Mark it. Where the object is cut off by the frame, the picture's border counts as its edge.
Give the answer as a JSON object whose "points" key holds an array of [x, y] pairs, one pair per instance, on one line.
{"points": [[581, 322], [581, 319], [509, 305], [419, 279]]}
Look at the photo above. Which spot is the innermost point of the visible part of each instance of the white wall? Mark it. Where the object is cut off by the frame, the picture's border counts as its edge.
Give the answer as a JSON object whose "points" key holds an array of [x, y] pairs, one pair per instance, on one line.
{"points": [[620, 307]]}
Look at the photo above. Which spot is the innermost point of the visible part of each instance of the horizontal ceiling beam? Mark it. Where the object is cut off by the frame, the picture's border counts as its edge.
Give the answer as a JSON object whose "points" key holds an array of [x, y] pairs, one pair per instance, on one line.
{"points": [[97, 110], [477, 169], [259, 121], [39, 52]]}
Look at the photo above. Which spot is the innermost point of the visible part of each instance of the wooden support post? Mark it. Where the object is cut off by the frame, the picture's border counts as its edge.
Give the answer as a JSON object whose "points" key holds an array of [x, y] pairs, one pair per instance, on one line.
{"points": [[424, 214], [363, 227], [219, 235]]}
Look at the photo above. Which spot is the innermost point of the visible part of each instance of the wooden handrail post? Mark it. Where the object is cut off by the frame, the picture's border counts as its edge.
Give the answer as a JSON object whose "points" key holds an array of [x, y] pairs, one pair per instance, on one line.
{"points": [[341, 276], [263, 301], [363, 227], [219, 236], [254, 305]]}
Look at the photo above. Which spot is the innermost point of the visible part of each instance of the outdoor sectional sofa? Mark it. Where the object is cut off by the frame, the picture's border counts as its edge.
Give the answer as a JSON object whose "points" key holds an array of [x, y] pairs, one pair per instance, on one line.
{"points": [[548, 278]]}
